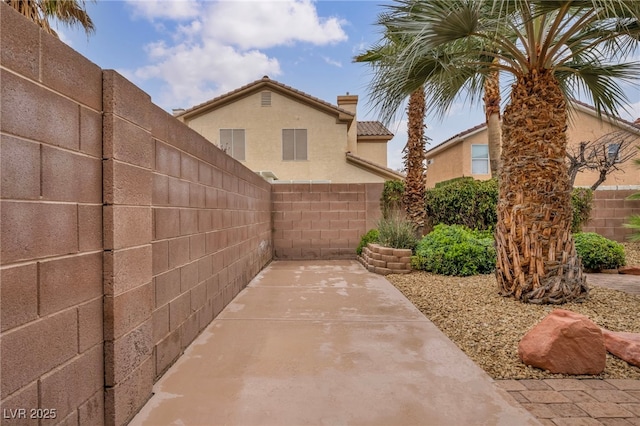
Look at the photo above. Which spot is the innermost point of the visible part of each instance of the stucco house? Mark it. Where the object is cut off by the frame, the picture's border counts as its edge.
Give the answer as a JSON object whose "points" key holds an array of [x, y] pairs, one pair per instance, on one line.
{"points": [[467, 153], [287, 135]]}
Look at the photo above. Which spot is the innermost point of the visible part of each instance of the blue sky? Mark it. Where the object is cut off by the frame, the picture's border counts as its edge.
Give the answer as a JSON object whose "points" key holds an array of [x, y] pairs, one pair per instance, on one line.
{"points": [[184, 52]]}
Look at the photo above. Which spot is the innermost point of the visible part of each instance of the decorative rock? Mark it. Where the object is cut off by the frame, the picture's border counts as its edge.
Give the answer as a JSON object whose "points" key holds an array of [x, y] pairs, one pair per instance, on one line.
{"points": [[625, 346], [629, 270], [564, 342]]}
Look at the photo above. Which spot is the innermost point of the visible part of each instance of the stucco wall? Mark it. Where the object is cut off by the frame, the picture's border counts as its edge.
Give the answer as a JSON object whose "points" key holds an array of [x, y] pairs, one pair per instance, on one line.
{"points": [[326, 138], [455, 161], [373, 151]]}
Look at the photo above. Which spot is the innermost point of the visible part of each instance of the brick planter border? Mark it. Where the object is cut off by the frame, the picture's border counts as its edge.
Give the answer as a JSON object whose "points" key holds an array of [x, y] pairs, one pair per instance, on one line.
{"points": [[385, 260]]}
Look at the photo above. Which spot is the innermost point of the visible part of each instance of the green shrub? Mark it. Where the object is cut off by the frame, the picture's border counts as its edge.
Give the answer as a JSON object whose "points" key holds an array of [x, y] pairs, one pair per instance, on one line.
{"points": [[465, 201], [391, 200], [397, 232], [581, 200], [455, 250], [598, 252], [634, 224], [369, 237]]}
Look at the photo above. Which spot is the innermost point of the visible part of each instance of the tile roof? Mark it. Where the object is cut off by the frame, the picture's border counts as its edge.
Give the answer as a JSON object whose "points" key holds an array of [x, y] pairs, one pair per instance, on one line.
{"points": [[372, 128], [265, 81]]}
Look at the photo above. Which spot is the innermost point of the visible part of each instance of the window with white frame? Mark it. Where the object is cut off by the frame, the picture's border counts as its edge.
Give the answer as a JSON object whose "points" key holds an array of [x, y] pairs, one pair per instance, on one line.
{"points": [[232, 142], [479, 159], [613, 152], [294, 144]]}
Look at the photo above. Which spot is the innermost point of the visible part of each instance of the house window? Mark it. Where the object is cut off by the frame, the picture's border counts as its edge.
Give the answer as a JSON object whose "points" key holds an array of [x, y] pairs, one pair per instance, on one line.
{"points": [[294, 144], [265, 99], [479, 159], [232, 142], [613, 152]]}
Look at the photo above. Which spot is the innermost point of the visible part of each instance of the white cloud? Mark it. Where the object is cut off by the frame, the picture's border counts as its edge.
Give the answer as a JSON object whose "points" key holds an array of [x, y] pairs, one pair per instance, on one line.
{"points": [[333, 62], [209, 48], [165, 9], [632, 113], [264, 24]]}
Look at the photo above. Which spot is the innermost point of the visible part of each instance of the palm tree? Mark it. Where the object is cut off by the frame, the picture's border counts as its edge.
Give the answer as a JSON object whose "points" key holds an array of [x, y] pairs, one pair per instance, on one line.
{"points": [[414, 151], [554, 50], [492, 113], [68, 12]]}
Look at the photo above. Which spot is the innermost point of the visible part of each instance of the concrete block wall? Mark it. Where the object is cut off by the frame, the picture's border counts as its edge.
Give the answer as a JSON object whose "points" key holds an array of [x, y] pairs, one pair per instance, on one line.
{"points": [[323, 221], [51, 315], [610, 211], [122, 234]]}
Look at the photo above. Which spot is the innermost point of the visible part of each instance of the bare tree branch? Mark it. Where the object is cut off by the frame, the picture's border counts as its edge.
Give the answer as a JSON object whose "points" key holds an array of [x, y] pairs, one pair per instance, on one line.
{"points": [[603, 155]]}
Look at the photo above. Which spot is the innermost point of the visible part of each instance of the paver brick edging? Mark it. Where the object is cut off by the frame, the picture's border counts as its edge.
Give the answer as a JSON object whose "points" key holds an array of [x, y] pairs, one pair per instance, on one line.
{"points": [[385, 260]]}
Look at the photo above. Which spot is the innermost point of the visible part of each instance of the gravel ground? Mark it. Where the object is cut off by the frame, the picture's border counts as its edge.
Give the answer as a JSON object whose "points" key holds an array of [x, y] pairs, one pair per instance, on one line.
{"points": [[488, 327]]}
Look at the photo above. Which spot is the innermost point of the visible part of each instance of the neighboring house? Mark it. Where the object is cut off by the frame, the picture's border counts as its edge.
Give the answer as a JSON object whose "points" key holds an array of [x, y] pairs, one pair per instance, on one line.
{"points": [[287, 135], [467, 153]]}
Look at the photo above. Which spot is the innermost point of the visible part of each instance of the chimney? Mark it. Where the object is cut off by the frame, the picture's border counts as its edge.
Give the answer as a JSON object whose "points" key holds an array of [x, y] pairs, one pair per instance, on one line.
{"points": [[350, 103]]}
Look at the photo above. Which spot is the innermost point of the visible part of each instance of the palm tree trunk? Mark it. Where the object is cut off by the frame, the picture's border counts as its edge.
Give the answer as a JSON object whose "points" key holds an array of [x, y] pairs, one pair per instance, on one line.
{"points": [[492, 112], [537, 260], [414, 158]]}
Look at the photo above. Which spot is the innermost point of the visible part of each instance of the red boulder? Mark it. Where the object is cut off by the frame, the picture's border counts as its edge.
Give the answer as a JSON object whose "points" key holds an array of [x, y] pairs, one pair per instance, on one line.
{"points": [[625, 346], [564, 342], [629, 270]]}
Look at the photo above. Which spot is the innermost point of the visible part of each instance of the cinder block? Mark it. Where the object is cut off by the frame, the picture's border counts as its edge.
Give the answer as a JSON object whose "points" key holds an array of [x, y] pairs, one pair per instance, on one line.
{"points": [[91, 412], [160, 256], [70, 177], [123, 401], [206, 314], [126, 226], [167, 351], [197, 197], [126, 311], [198, 296], [25, 398], [188, 276], [178, 192], [69, 281], [32, 350], [188, 221], [89, 227], [179, 310], [196, 246], [166, 223], [211, 197], [205, 268], [178, 252], [90, 324], [160, 318], [20, 43], [167, 159], [189, 168], [126, 269], [68, 72], [127, 184], [160, 190], [124, 99], [312, 215], [205, 173], [37, 230], [167, 287], [19, 169], [126, 142], [301, 225], [91, 132], [190, 328], [68, 387], [356, 206], [330, 234], [127, 353], [19, 290], [25, 103]]}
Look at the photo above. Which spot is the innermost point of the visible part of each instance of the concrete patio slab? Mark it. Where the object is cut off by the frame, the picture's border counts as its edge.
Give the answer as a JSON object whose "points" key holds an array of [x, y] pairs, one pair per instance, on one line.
{"points": [[326, 343]]}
